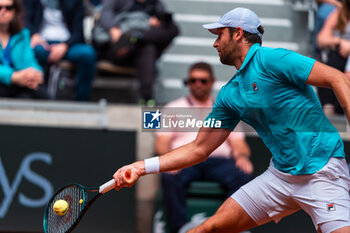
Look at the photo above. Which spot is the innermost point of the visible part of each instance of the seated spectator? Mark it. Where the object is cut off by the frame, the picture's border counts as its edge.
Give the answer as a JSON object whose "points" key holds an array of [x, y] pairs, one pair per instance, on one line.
{"points": [[324, 8], [94, 2], [20, 74], [228, 165], [56, 28], [139, 31], [335, 38]]}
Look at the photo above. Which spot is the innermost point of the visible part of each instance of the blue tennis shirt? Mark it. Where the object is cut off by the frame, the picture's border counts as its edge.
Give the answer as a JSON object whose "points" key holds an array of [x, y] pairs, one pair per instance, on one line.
{"points": [[269, 93]]}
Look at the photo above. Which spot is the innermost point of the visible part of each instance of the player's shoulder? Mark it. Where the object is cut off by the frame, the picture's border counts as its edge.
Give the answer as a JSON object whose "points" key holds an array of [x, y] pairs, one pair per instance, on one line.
{"points": [[279, 57], [272, 53], [273, 57]]}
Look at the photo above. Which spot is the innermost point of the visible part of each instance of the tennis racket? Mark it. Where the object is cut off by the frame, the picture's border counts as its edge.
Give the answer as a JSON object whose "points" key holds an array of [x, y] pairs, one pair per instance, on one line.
{"points": [[79, 199]]}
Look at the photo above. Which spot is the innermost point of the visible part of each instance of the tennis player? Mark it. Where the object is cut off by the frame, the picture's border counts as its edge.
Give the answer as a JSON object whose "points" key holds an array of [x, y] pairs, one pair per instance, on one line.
{"points": [[272, 92]]}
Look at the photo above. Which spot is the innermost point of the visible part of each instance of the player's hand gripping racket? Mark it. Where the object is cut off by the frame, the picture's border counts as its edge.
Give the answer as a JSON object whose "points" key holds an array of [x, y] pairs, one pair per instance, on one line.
{"points": [[79, 200]]}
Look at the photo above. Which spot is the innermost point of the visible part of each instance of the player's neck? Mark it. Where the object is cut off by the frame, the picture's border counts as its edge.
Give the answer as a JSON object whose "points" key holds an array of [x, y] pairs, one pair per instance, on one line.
{"points": [[240, 59]]}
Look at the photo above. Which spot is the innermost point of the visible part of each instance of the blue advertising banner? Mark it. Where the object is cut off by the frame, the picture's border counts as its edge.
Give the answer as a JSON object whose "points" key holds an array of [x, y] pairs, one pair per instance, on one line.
{"points": [[37, 161]]}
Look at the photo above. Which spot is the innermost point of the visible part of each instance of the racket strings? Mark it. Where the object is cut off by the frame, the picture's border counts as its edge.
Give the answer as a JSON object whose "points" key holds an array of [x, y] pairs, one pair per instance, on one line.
{"points": [[57, 223]]}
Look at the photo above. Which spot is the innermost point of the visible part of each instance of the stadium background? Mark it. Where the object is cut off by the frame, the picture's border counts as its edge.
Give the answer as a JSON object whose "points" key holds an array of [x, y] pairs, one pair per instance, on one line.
{"points": [[65, 142]]}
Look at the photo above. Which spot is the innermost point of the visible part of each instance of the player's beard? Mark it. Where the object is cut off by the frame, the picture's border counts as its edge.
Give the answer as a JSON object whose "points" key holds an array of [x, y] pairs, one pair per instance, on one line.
{"points": [[229, 52]]}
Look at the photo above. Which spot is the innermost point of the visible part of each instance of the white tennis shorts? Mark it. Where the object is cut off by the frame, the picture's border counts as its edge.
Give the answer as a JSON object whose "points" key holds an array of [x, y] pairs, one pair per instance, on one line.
{"points": [[324, 195]]}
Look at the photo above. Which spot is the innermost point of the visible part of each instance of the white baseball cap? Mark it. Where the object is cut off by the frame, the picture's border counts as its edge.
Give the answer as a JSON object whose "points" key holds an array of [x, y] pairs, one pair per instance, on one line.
{"points": [[238, 17]]}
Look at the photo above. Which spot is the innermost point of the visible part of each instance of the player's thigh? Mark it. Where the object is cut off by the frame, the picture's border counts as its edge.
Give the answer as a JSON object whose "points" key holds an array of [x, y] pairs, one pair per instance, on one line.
{"points": [[230, 217], [342, 230]]}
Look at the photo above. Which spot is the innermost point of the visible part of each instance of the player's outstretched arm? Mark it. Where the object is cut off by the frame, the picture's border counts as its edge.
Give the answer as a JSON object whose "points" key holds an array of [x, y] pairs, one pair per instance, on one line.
{"points": [[325, 76], [207, 140]]}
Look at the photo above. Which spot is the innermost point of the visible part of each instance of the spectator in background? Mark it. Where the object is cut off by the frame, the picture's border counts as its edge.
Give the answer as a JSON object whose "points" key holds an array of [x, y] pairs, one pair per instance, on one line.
{"points": [[229, 164], [20, 74], [334, 37], [56, 28], [324, 8], [94, 2], [139, 30]]}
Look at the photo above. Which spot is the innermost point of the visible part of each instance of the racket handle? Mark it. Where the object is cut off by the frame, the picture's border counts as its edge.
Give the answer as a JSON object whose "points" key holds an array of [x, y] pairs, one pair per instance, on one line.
{"points": [[108, 186]]}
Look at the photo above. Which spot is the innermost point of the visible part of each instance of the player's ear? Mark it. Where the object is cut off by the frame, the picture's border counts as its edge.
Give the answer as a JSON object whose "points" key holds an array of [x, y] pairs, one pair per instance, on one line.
{"points": [[238, 33]]}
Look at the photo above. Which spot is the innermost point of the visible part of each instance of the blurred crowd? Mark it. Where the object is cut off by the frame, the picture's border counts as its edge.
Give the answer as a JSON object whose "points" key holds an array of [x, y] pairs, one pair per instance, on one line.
{"points": [[40, 37], [332, 45], [330, 30]]}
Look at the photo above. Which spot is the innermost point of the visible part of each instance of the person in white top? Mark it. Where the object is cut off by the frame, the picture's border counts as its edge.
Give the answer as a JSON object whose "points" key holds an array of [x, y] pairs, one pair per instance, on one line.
{"points": [[229, 164], [56, 28]]}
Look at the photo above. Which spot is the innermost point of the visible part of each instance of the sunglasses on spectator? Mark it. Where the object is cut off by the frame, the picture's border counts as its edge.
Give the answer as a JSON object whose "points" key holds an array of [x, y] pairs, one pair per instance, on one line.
{"points": [[194, 80], [7, 7]]}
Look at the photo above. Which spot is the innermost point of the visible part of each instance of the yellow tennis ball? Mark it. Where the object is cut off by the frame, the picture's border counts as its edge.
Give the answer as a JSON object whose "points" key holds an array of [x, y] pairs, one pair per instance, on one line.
{"points": [[60, 207], [81, 201]]}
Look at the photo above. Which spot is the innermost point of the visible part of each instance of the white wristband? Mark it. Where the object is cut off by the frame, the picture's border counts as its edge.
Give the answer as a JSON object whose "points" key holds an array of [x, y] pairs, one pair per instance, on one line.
{"points": [[152, 165]]}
